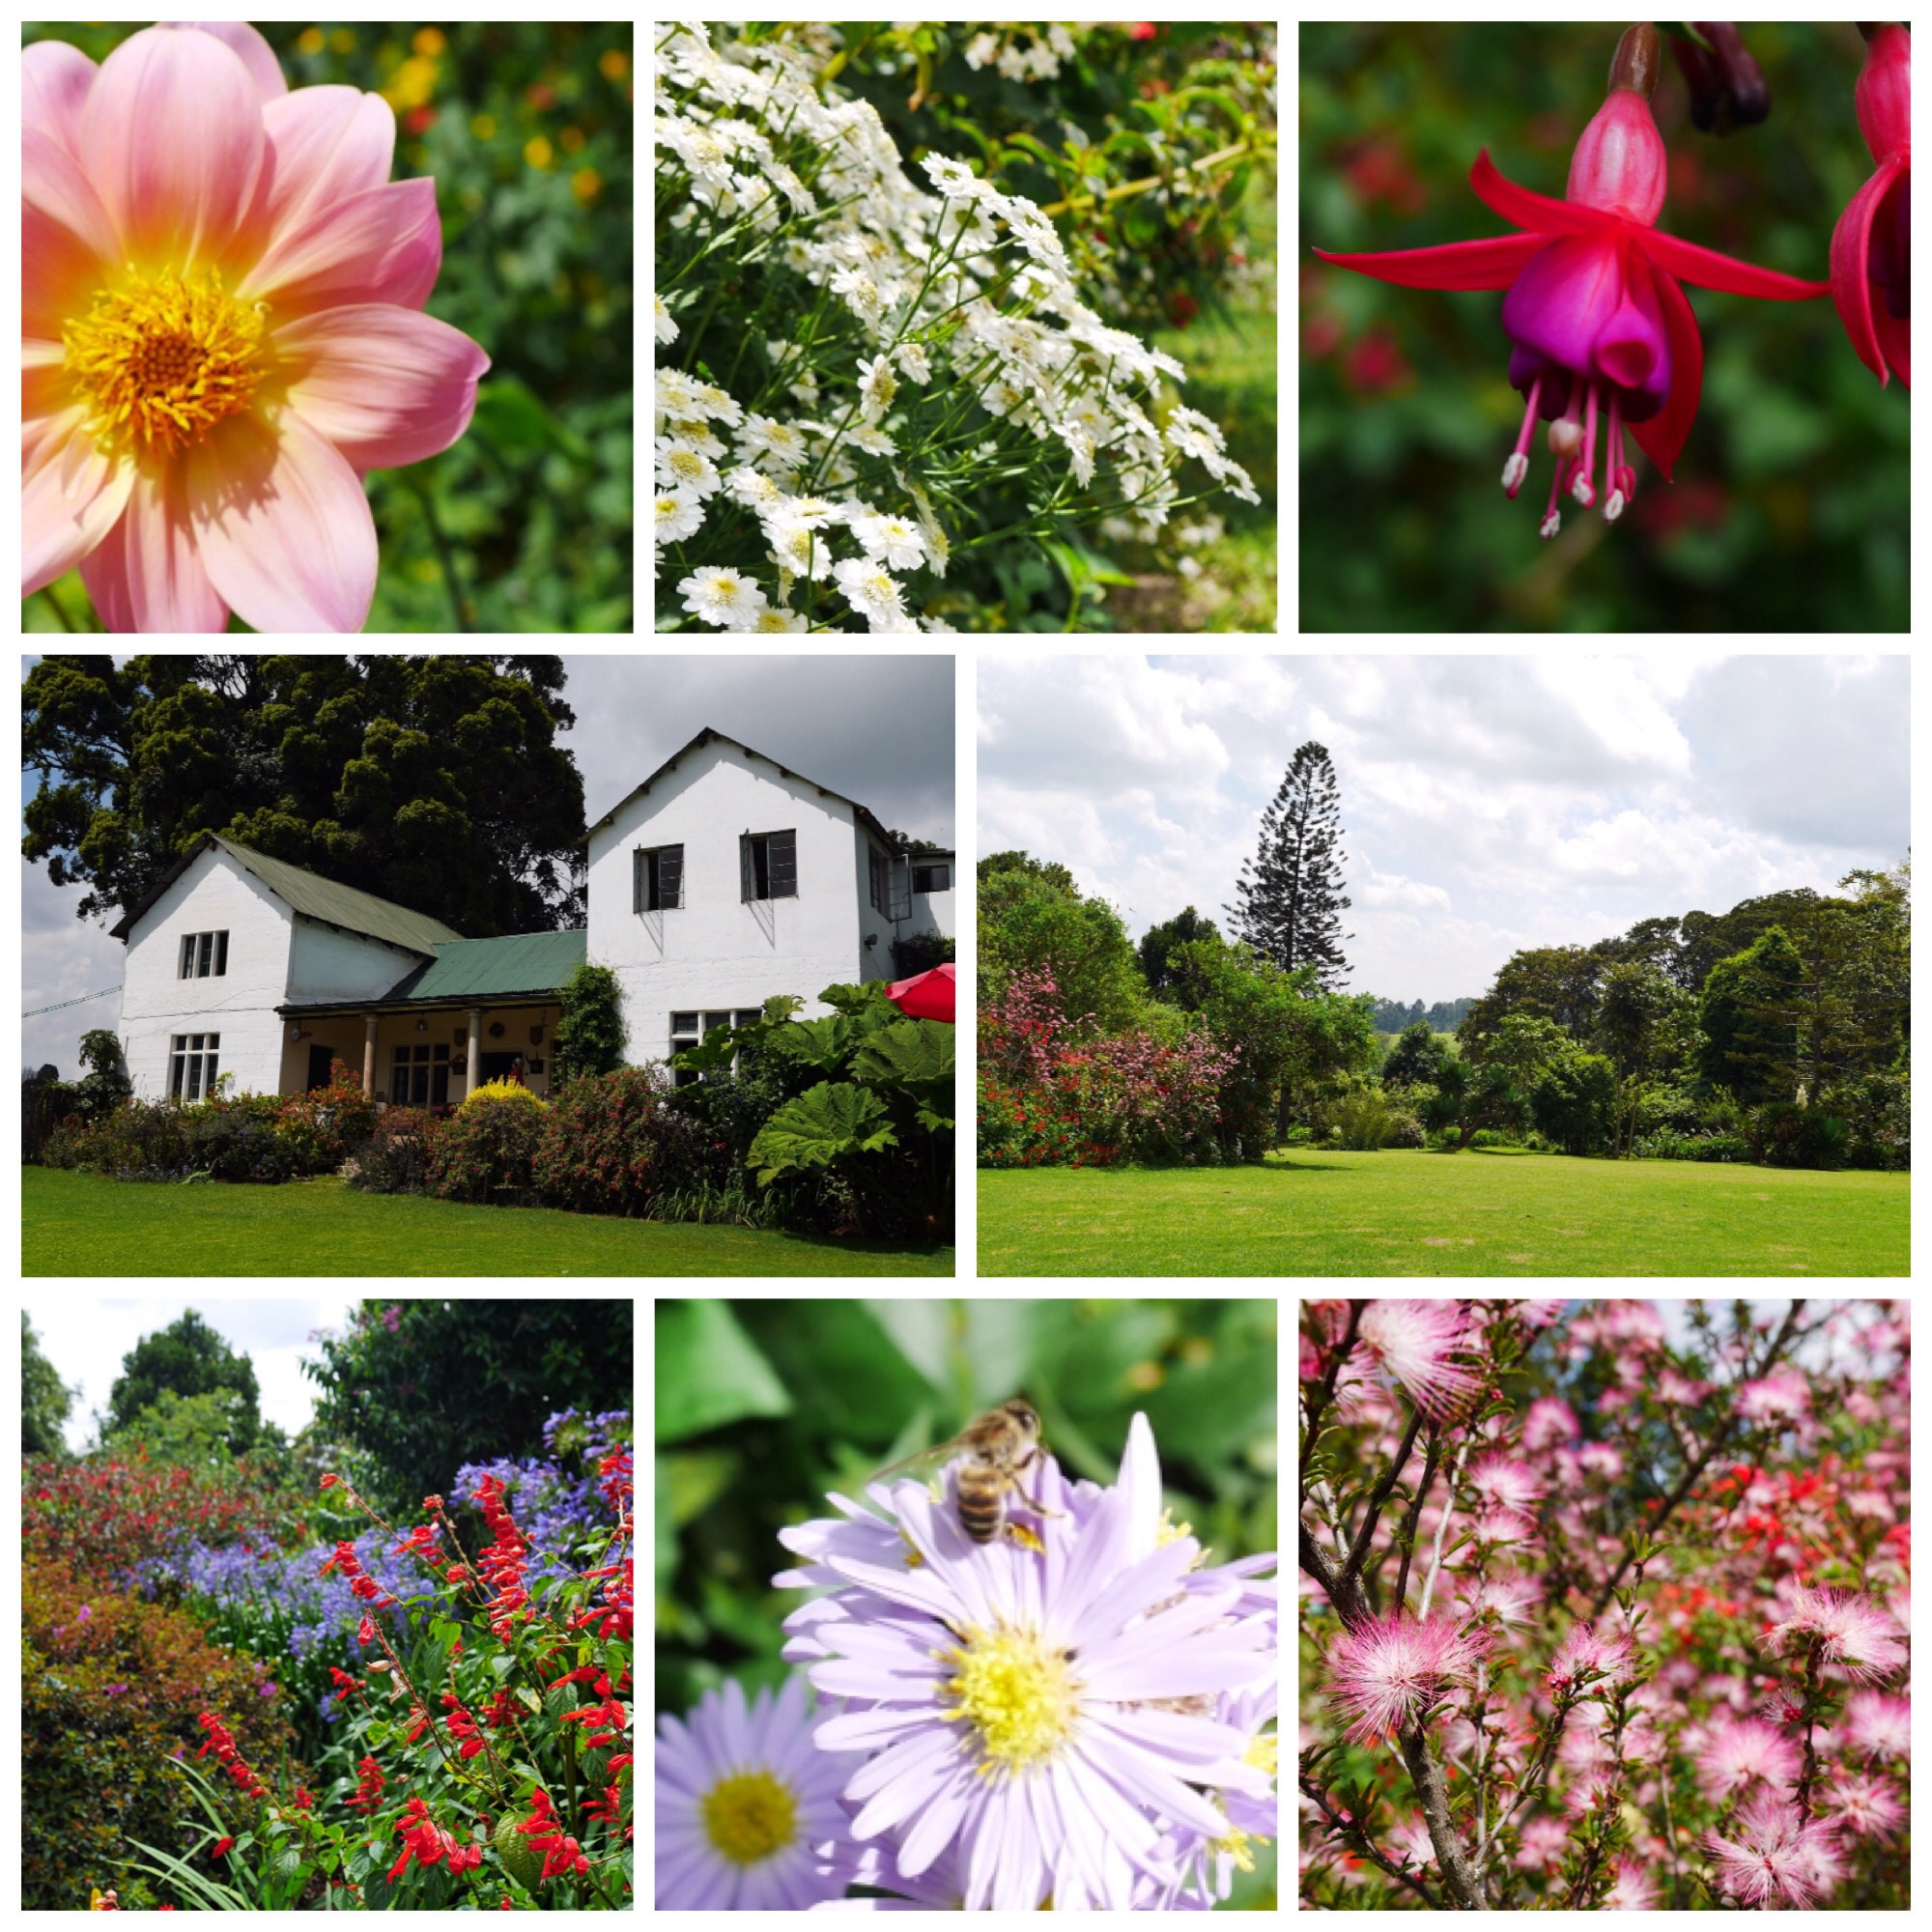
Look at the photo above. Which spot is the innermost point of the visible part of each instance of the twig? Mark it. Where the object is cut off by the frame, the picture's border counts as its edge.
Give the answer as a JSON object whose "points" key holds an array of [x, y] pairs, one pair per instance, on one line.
{"points": [[1357, 1841]]}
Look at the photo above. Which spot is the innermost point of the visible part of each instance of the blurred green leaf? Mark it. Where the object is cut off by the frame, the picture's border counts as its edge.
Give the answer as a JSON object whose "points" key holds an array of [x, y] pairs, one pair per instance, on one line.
{"points": [[709, 1372]]}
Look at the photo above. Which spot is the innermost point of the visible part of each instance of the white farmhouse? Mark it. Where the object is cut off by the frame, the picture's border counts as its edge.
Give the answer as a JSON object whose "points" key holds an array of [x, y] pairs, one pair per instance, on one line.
{"points": [[723, 879]]}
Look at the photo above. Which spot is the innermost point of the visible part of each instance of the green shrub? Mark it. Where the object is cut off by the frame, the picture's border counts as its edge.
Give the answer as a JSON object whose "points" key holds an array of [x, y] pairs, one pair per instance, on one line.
{"points": [[1405, 1131], [1366, 1121], [240, 1139], [1665, 1144], [325, 1125], [484, 1152], [110, 1689], [395, 1159], [612, 1145], [1493, 1137]]}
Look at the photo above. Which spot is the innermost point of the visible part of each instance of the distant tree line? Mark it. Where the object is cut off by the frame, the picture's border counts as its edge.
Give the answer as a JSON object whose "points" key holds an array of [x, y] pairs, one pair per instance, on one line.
{"points": [[1444, 1016]]}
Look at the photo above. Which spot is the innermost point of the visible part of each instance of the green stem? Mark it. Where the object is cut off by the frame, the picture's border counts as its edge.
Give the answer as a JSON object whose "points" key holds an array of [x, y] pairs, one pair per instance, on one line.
{"points": [[444, 555]]}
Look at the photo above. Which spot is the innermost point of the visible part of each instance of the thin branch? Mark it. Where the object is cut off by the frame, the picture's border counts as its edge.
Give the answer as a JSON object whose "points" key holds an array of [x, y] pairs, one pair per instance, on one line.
{"points": [[1379, 1495], [1426, 1774], [1357, 1841]]}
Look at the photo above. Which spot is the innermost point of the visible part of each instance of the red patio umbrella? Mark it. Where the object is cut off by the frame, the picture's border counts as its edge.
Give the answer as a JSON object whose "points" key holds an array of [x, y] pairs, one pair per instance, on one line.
{"points": [[925, 996]]}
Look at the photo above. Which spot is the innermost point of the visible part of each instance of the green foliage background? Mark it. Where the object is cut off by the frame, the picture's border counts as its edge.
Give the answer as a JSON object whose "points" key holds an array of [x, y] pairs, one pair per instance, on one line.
{"points": [[1790, 511], [525, 523], [763, 1407]]}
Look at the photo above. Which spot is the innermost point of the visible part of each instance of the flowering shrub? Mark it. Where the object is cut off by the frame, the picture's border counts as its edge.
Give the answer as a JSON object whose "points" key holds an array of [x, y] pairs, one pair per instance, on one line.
{"points": [[612, 1145], [1631, 1634], [484, 1152], [327, 1123], [395, 1158], [880, 355]]}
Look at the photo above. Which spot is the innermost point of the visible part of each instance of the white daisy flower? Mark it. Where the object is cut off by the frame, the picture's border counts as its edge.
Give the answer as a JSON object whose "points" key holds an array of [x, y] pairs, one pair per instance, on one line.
{"points": [[982, 48], [868, 587], [778, 621], [755, 490], [871, 439], [816, 511], [1080, 446], [797, 547], [952, 179], [890, 540], [722, 597], [683, 467], [877, 384], [860, 294], [911, 356], [666, 329], [1194, 435], [679, 512]]}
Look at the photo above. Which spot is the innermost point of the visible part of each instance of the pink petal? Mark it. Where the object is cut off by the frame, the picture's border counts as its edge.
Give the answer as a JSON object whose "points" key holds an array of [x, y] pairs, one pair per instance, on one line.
{"points": [[1851, 253], [383, 385], [1493, 264], [55, 80], [172, 132], [282, 524], [146, 577], [381, 246], [1662, 438], [1707, 269], [67, 240], [45, 390], [70, 496], [324, 145], [257, 55]]}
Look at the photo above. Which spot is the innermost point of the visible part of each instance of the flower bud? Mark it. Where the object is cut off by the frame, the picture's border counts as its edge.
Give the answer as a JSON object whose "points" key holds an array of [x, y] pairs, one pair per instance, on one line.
{"points": [[1884, 93], [1727, 89], [1619, 165]]}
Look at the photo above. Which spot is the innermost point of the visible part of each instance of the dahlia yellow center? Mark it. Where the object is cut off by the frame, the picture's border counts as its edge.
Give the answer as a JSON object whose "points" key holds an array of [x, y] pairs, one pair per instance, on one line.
{"points": [[161, 360], [749, 1816], [1018, 1695]]}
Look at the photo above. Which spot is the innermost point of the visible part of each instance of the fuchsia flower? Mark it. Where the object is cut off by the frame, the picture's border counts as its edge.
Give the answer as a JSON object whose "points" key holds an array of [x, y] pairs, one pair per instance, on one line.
{"points": [[221, 331], [1602, 336], [1871, 246], [1386, 1675]]}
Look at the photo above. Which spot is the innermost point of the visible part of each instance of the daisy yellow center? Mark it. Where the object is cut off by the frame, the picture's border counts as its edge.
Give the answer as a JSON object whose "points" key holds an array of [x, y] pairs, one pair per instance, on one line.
{"points": [[161, 361], [749, 1816], [1016, 1695]]}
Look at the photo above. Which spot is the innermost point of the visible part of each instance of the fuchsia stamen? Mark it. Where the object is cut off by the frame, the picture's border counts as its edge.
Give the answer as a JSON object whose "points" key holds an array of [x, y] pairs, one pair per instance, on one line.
{"points": [[1517, 466], [1585, 491], [1614, 470]]}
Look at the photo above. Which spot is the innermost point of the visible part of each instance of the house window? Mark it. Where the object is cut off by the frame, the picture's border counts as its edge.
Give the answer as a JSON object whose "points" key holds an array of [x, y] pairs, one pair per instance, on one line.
{"points": [[192, 1066], [202, 954], [657, 879], [688, 1030], [877, 870], [419, 1076], [768, 865], [933, 878]]}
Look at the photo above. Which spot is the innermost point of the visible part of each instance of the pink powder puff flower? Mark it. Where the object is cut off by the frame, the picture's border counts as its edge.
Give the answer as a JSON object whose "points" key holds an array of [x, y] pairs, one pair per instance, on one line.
{"points": [[1386, 1675], [221, 331], [1550, 1422], [1601, 1654], [1635, 1889], [1512, 1597], [1866, 1807], [1773, 1859], [1545, 1841], [1738, 1750], [1414, 1341], [1859, 1636], [1505, 1483], [1875, 1723], [1783, 1397]]}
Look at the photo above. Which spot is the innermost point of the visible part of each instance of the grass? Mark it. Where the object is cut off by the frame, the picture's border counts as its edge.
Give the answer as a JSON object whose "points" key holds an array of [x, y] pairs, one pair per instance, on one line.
{"points": [[82, 1224], [1413, 1214]]}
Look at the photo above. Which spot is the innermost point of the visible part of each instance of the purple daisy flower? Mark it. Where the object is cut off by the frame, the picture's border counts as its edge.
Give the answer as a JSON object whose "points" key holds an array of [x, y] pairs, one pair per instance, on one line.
{"points": [[748, 1815], [1048, 1709]]}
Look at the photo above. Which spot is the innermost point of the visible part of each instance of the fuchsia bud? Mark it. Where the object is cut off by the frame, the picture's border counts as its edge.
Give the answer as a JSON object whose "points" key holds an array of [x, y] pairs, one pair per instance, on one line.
{"points": [[1727, 88], [1883, 93], [1619, 165]]}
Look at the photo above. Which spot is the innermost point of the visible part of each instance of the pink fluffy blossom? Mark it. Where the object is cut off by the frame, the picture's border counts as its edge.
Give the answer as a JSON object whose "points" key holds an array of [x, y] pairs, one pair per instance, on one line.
{"points": [[1772, 1859], [1875, 1723], [1865, 1807], [1634, 1891], [1859, 1636], [1783, 1397], [1414, 1342], [1385, 1675], [1739, 1749], [1506, 1484], [1585, 1649], [1550, 1422]]}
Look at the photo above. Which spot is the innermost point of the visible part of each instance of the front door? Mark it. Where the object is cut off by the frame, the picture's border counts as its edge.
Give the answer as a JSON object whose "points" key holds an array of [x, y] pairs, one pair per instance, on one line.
{"points": [[319, 1059]]}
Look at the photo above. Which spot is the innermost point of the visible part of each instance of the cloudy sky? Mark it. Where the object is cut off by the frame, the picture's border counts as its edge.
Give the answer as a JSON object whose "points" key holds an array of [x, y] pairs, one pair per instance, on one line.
{"points": [[1487, 803], [877, 729]]}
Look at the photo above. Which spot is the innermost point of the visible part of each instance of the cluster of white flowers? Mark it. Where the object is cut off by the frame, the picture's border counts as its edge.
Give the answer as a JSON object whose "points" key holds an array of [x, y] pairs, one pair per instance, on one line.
{"points": [[1038, 60], [923, 277]]}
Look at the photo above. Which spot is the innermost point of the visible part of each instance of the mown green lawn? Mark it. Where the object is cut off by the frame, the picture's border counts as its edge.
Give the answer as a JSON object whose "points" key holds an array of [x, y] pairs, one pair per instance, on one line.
{"points": [[1412, 1213], [80, 1224]]}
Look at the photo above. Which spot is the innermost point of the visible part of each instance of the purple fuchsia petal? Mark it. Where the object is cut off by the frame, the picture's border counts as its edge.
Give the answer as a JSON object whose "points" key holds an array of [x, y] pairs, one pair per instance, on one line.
{"points": [[1632, 351], [1565, 300]]}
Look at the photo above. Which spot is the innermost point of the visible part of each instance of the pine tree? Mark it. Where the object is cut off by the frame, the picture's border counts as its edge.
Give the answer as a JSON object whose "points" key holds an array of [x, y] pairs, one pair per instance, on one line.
{"points": [[1289, 900]]}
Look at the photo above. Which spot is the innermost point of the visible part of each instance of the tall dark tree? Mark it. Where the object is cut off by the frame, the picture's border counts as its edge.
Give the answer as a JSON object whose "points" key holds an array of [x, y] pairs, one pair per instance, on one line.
{"points": [[44, 1398], [1164, 965], [1289, 901], [435, 781], [1750, 1014], [190, 1358]]}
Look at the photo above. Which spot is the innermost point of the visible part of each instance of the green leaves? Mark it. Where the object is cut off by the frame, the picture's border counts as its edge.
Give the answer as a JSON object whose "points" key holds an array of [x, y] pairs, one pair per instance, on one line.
{"points": [[832, 1120]]}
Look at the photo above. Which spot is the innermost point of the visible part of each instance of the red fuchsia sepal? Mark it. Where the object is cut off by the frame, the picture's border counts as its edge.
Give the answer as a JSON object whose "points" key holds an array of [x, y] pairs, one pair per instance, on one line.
{"points": [[1602, 339], [1871, 246]]}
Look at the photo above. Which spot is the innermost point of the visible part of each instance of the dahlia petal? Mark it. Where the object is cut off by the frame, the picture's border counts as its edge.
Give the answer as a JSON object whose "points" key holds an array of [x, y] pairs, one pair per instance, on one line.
{"points": [[172, 132], [55, 80], [66, 236], [145, 574], [324, 145], [385, 384], [283, 527], [256, 54], [1707, 269], [381, 246], [1493, 264], [1662, 438], [70, 496], [1851, 253], [1538, 213]]}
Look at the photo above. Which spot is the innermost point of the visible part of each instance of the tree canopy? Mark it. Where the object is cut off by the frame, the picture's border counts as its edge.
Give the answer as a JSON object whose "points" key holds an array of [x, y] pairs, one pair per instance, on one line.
{"points": [[46, 1401], [435, 781], [1033, 915], [189, 1358]]}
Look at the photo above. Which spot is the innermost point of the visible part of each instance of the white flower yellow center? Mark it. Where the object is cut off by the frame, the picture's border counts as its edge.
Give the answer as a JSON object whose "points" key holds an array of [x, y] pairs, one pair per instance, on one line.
{"points": [[748, 1817], [686, 463], [726, 589], [1018, 1695], [161, 361]]}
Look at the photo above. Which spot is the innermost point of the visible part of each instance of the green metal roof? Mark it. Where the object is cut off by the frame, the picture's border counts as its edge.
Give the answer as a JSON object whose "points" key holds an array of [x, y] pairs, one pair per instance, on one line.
{"points": [[491, 969], [317, 898]]}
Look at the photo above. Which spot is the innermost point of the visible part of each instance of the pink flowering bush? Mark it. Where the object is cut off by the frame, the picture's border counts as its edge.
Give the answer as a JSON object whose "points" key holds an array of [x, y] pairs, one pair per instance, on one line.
{"points": [[1602, 1613]]}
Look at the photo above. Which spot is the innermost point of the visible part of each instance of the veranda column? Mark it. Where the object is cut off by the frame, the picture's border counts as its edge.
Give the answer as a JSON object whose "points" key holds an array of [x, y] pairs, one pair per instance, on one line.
{"points": [[369, 1024], [476, 1045]]}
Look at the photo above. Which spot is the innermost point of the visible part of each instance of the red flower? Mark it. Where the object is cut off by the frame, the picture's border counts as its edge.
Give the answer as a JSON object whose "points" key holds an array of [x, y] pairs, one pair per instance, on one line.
{"points": [[1871, 246], [220, 1848], [1142, 30]]}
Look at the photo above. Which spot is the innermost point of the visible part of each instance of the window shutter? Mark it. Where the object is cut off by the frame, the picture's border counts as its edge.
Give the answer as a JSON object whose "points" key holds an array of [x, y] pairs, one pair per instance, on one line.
{"points": [[782, 847], [670, 876], [745, 866], [637, 880], [221, 953]]}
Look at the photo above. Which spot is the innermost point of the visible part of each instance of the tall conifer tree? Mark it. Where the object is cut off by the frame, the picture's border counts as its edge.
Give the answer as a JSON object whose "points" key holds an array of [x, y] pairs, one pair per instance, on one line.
{"points": [[1289, 901]]}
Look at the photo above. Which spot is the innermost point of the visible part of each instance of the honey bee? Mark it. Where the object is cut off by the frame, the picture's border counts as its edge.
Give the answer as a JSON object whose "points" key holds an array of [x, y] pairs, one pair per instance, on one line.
{"points": [[997, 1449]]}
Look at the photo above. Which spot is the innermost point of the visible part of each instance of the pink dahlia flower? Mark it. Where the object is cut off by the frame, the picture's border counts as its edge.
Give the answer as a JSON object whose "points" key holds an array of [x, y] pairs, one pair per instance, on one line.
{"points": [[1385, 1675], [221, 331]]}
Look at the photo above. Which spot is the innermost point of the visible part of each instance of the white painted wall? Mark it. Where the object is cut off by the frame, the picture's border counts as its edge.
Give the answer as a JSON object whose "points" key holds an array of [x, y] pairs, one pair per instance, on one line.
{"points": [[213, 893], [716, 952]]}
